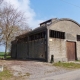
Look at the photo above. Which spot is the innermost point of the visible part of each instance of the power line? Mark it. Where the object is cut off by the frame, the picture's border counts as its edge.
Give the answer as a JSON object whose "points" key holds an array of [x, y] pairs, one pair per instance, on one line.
{"points": [[71, 3]]}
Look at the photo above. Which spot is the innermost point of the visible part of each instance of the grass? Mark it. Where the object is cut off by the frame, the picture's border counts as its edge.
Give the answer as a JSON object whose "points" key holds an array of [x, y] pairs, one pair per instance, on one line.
{"points": [[67, 65], [2, 55], [28, 74], [5, 75], [7, 57]]}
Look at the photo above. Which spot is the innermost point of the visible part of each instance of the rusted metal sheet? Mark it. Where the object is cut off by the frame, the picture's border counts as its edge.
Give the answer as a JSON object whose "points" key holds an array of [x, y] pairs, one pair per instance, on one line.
{"points": [[71, 51]]}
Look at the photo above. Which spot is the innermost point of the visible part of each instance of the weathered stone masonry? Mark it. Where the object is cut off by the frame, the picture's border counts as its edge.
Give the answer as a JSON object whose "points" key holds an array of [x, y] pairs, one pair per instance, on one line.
{"points": [[55, 39]]}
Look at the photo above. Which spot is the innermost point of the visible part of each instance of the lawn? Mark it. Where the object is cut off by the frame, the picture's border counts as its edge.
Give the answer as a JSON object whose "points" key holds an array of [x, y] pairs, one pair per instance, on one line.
{"points": [[67, 65]]}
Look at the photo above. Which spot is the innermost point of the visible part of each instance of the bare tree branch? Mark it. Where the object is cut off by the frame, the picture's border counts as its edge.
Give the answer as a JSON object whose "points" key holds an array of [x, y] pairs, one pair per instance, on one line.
{"points": [[1, 1], [12, 22]]}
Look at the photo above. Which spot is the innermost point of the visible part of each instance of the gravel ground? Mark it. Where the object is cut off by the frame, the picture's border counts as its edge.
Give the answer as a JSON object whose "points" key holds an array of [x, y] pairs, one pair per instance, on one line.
{"points": [[32, 70]]}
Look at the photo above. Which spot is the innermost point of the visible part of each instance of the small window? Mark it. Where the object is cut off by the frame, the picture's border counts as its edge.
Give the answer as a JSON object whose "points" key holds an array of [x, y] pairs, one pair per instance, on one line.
{"points": [[78, 37], [57, 34], [37, 36]]}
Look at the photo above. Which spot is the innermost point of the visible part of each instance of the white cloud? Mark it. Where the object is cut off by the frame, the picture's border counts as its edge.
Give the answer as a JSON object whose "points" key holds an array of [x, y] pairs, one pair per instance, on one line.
{"points": [[24, 5]]}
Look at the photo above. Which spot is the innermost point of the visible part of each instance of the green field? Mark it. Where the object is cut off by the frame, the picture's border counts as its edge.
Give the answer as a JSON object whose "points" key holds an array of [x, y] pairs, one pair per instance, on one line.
{"points": [[2, 55]]}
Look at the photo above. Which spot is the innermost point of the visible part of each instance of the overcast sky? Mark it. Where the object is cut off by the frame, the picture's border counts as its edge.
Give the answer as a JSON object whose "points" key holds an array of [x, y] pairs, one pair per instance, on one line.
{"points": [[38, 11]]}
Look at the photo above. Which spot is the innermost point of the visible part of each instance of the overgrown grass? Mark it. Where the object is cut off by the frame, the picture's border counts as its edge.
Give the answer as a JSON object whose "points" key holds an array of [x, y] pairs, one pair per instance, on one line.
{"points": [[5, 75], [67, 65]]}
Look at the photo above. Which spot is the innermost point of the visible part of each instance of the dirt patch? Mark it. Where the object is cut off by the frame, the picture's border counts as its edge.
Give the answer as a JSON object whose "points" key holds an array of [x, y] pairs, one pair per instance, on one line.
{"points": [[31, 70]]}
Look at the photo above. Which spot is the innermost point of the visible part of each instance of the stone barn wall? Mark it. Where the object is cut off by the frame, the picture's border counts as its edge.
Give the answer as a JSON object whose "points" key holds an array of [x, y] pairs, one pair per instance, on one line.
{"points": [[40, 45], [78, 50], [57, 47]]}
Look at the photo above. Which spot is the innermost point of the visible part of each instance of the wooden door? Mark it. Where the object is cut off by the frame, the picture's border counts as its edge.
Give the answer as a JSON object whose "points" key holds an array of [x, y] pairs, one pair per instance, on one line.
{"points": [[71, 51]]}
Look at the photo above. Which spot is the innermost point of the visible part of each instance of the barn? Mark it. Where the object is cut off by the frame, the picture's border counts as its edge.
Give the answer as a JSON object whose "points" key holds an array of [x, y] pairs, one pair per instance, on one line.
{"points": [[54, 40]]}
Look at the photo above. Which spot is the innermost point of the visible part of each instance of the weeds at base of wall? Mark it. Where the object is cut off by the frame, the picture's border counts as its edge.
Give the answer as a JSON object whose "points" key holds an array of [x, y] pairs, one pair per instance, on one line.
{"points": [[69, 65]]}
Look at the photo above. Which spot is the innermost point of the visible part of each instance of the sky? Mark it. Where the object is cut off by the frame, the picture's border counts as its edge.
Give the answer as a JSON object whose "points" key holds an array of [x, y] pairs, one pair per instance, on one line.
{"points": [[38, 11]]}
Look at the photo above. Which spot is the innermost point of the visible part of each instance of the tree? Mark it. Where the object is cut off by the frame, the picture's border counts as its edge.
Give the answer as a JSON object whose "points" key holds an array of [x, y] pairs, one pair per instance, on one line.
{"points": [[1, 1], [12, 23]]}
